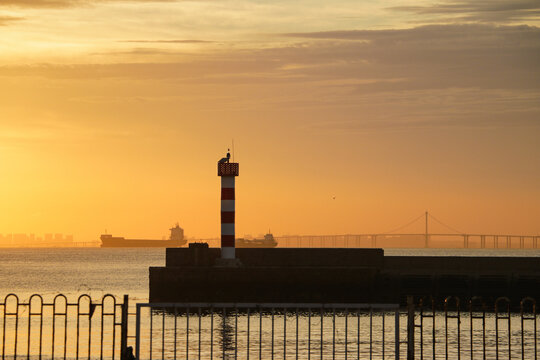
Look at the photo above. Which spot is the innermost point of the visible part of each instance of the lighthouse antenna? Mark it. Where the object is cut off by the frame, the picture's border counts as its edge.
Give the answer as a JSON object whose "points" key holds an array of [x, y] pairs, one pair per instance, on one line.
{"points": [[232, 150]]}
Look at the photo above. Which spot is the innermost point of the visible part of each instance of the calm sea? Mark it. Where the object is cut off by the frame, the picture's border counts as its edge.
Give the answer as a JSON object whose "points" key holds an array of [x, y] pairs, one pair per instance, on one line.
{"points": [[96, 271]]}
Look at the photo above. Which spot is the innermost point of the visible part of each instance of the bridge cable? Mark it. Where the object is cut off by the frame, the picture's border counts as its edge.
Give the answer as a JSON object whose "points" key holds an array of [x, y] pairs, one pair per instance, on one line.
{"points": [[443, 224], [404, 226]]}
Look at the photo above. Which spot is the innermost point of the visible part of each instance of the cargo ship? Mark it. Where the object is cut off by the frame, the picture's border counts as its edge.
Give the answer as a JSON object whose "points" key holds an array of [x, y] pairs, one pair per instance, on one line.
{"points": [[267, 242], [175, 240]]}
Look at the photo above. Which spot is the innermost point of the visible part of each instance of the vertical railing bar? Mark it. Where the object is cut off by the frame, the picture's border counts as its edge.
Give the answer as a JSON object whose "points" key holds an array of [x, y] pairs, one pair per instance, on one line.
{"points": [[410, 327], [396, 334], [272, 333], [223, 324], [101, 331], [65, 331], [370, 333], [509, 333], [458, 331], [383, 332], [175, 331], [296, 350], [187, 332], [200, 325], [78, 327], [346, 332], [53, 327], [496, 331], [124, 327], [163, 334], [40, 314], [322, 332], [458, 324], [40, 328], [484, 332], [211, 333], [471, 328], [16, 329], [235, 333], [284, 334], [248, 333], [421, 305], [433, 333], [333, 333], [309, 333], [522, 334], [260, 334], [90, 328], [4, 329], [446, 328], [535, 332], [358, 334], [151, 332], [29, 328], [138, 332]]}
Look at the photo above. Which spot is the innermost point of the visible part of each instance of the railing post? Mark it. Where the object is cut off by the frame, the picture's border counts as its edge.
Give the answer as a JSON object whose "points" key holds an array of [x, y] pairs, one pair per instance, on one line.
{"points": [[124, 329], [396, 336], [410, 328]]}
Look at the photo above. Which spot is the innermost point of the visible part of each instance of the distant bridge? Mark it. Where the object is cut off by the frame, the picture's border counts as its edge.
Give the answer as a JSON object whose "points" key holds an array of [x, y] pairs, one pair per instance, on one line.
{"points": [[467, 241], [392, 239], [397, 239]]}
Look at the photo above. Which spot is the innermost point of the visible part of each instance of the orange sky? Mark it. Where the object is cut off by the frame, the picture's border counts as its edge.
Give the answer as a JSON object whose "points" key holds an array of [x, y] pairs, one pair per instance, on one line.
{"points": [[113, 115]]}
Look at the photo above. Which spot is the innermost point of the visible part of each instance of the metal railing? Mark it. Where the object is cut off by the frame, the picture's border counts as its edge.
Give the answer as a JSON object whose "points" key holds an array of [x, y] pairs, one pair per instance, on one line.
{"points": [[424, 329], [473, 330], [267, 331], [60, 329]]}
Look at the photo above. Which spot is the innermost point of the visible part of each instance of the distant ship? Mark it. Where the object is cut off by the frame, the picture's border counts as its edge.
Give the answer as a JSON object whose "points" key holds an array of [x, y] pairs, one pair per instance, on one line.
{"points": [[267, 242], [175, 240]]}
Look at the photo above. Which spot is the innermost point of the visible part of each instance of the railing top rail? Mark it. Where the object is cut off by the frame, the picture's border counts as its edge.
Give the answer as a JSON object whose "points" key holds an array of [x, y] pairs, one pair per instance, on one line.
{"points": [[271, 305], [97, 301]]}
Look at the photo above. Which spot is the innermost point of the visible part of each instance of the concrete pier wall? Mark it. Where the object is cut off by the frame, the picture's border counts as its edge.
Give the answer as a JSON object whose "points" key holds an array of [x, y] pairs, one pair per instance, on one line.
{"points": [[337, 275]]}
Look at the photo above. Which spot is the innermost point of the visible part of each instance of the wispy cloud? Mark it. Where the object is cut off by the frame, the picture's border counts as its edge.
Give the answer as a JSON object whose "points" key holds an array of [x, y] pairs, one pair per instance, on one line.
{"points": [[63, 3], [438, 75], [498, 11], [174, 41], [6, 20], [435, 56]]}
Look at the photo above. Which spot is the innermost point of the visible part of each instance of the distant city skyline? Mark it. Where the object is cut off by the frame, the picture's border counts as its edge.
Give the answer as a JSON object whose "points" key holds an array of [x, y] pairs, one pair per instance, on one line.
{"points": [[347, 117], [24, 239]]}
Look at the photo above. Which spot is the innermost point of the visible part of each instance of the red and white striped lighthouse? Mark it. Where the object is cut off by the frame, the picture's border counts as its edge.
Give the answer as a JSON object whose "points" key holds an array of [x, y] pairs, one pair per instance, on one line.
{"points": [[227, 171]]}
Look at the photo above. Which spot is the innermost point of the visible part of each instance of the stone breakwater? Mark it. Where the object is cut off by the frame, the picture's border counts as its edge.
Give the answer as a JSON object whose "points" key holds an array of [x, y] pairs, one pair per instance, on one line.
{"points": [[338, 276]]}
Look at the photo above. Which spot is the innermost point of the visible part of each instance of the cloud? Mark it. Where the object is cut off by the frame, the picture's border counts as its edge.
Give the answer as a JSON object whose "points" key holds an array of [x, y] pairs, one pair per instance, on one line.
{"points": [[426, 57], [438, 75], [174, 41], [63, 3], [493, 11], [6, 20]]}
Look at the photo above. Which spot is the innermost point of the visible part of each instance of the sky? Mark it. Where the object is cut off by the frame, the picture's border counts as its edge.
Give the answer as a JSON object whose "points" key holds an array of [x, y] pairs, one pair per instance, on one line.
{"points": [[347, 116]]}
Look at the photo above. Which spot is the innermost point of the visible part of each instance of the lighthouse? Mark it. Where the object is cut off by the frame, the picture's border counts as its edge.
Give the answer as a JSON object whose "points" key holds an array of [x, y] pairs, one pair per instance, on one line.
{"points": [[228, 171]]}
